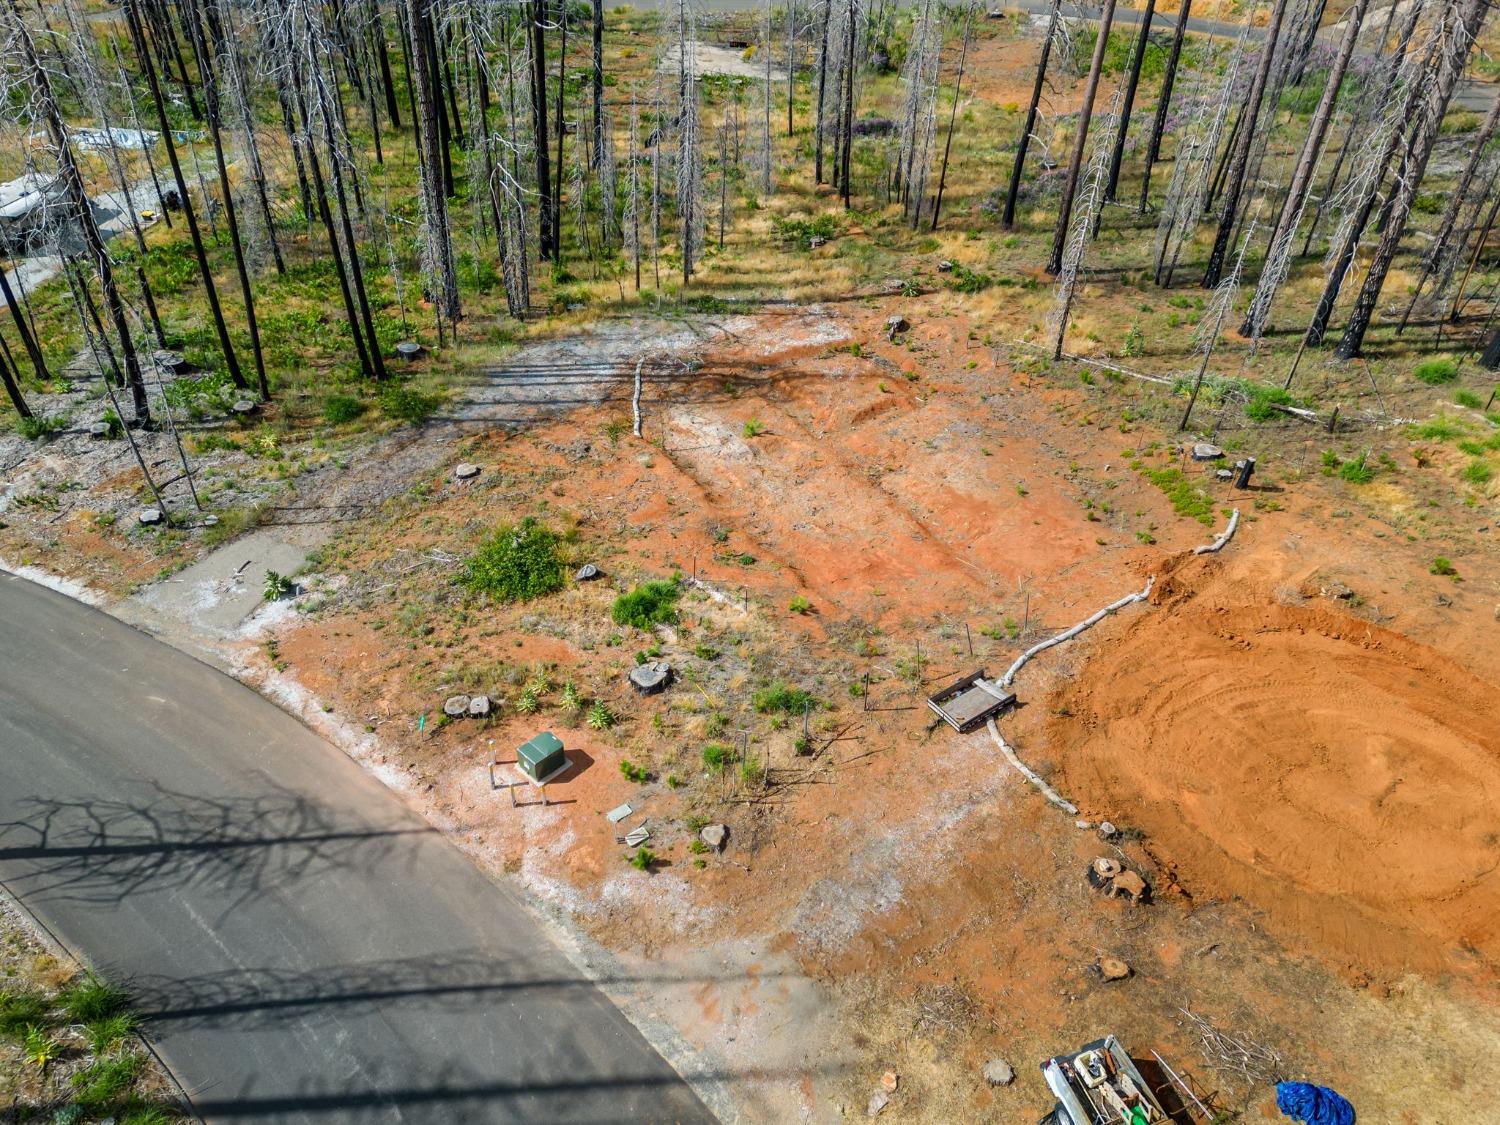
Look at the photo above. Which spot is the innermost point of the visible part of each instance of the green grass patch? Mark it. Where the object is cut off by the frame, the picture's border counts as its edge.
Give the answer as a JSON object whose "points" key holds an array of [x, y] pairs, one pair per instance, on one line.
{"points": [[779, 698], [91, 998], [1187, 498], [651, 603], [1435, 372]]}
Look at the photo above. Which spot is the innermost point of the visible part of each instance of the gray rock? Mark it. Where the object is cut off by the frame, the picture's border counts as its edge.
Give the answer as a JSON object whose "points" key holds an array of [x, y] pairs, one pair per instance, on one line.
{"points": [[897, 323], [998, 1072], [945, 266], [714, 835], [586, 573], [456, 705], [99, 430], [466, 471], [243, 406], [878, 1101], [1206, 451], [1083, 825], [1224, 474], [149, 517], [168, 361], [479, 706]]}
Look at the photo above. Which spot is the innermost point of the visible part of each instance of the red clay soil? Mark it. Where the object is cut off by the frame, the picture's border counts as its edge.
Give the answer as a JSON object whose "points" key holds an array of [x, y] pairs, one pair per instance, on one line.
{"points": [[1338, 776]]}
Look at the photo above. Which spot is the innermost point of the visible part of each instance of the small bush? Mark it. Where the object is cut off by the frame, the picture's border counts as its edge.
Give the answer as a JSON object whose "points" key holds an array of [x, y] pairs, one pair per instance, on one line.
{"points": [[1435, 372], [801, 232], [784, 700], [1467, 398], [600, 716], [40, 1049], [751, 770], [516, 564], [642, 859], [1477, 472], [277, 586], [716, 755], [1264, 397], [799, 604], [1443, 566], [965, 280], [40, 425], [1186, 497], [404, 403], [103, 1035], [651, 603], [91, 998], [754, 428], [19, 1010], [632, 772], [339, 409], [1357, 471], [1442, 428]]}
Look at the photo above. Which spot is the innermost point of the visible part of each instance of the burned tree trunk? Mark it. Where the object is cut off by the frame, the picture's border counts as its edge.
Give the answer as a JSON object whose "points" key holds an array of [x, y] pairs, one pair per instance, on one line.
{"points": [[1139, 56], [1159, 122], [1008, 220], [546, 234], [431, 175], [1075, 162]]}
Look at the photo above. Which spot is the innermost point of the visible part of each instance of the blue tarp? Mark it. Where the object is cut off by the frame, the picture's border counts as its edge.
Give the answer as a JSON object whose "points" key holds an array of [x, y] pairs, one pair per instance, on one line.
{"points": [[1315, 1105]]}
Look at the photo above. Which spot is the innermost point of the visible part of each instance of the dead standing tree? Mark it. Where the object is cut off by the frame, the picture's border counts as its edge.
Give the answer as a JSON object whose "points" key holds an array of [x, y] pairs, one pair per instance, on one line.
{"points": [[1164, 102], [1137, 57], [439, 267], [1213, 323], [1075, 162], [1054, 25]]}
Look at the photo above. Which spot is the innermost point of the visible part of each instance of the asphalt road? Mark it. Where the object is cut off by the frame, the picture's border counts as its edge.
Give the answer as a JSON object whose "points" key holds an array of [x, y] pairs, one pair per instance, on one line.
{"points": [[304, 948]]}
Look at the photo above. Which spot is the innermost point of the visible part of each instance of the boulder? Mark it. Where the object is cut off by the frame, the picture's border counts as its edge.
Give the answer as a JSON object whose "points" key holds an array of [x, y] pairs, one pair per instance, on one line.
{"points": [[897, 323], [714, 835], [998, 1072], [878, 1101], [479, 706], [455, 706], [243, 407], [99, 430], [586, 573], [149, 517], [466, 471]]}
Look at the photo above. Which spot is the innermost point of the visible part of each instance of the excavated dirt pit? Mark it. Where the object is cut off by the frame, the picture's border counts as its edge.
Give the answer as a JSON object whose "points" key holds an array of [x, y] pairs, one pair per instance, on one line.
{"points": [[1339, 777]]}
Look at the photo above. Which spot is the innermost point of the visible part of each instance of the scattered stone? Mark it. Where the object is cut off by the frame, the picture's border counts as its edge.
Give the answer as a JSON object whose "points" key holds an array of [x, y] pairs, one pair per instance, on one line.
{"points": [[456, 705], [1337, 590], [1206, 451], [210, 521], [1112, 968], [1107, 830], [878, 1101], [714, 835], [651, 677], [889, 1081], [945, 266], [998, 1072], [479, 706], [466, 471], [99, 430], [242, 407], [1223, 474], [408, 350], [897, 323], [587, 573], [1444, 600], [149, 517], [1083, 825]]}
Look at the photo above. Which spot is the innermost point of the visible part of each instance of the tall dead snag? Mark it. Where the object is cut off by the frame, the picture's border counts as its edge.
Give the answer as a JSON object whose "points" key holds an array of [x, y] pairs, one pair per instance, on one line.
{"points": [[1008, 220], [918, 110], [1075, 162], [846, 114], [547, 234], [1235, 182], [437, 258], [1462, 19], [1279, 251], [597, 77], [45, 109], [13, 390], [1091, 200], [1137, 57], [1164, 102], [1212, 324], [1446, 249], [689, 157], [958, 88], [189, 213], [821, 99]]}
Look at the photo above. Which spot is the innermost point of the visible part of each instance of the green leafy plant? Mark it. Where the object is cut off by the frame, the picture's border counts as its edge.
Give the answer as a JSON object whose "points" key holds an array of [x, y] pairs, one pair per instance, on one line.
{"points": [[965, 280], [404, 403], [802, 232], [799, 604], [40, 425], [277, 586], [1477, 472], [642, 859], [1465, 397], [632, 772], [40, 1049], [779, 698], [1443, 566], [92, 998], [529, 702], [754, 428], [1357, 470], [716, 755], [571, 699], [600, 716], [751, 770], [18, 1011], [107, 1081], [339, 409], [516, 564], [651, 603], [104, 1034]]}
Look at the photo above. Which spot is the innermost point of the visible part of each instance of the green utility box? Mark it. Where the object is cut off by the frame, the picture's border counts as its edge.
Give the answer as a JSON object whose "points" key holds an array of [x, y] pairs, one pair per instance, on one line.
{"points": [[541, 756]]}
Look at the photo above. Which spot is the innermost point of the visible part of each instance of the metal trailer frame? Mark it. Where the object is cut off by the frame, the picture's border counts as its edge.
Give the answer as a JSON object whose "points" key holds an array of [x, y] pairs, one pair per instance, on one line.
{"points": [[969, 703]]}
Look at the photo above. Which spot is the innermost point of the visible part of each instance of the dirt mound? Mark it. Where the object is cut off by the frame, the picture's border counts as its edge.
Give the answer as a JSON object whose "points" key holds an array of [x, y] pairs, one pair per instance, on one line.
{"points": [[1338, 776]]}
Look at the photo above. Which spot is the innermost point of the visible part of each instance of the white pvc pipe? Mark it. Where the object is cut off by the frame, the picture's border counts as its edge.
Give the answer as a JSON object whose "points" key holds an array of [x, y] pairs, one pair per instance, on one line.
{"points": [[1222, 538], [1069, 634], [1047, 791]]}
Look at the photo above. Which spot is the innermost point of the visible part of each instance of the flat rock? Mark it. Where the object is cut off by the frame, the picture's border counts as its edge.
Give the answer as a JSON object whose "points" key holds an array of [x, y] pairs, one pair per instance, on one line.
{"points": [[586, 573], [1224, 474], [878, 1101], [889, 1081], [945, 266], [897, 323], [714, 835], [99, 430], [1112, 968], [651, 677], [998, 1072], [456, 705], [466, 471], [1206, 451], [243, 406], [1083, 825], [149, 517], [479, 706]]}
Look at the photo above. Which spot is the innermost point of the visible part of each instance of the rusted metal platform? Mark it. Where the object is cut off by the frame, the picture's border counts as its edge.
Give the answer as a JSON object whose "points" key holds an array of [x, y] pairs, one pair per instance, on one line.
{"points": [[969, 702]]}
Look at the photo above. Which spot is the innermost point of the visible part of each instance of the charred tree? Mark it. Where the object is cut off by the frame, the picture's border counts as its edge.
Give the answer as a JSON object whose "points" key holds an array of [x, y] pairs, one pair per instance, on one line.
{"points": [[1164, 102], [1136, 59], [1075, 162]]}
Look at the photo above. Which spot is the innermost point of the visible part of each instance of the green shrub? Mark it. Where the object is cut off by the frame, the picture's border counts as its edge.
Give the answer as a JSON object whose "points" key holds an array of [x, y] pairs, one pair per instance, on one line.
{"points": [[801, 232], [516, 564], [716, 755], [651, 603], [106, 1081], [754, 428], [1467, 398], [277, 586], [642, 859], [1442, 428], [340, 408], [778, 698], [1187, 498], [40, 425], [1442, 565], [1357, 471], [1263, 398], [799, 604], [104, 1034], [403, 402], [19, 1010], [632, 772], [600, 716], [1435, 372], [965, 280], [90, 998], [1477, 472]]}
